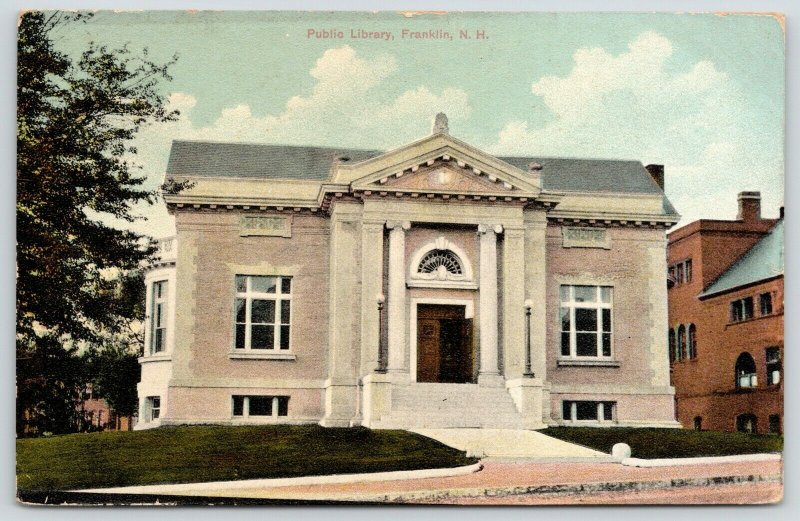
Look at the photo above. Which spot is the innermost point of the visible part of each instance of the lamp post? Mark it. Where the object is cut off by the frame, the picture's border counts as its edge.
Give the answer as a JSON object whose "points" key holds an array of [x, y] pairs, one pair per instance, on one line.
{"points": [[381, 355], [528, 373]]}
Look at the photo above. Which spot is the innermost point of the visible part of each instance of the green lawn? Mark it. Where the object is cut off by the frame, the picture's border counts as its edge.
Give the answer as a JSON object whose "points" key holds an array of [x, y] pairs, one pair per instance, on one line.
{"points": [[215, 453], [669, 443]]}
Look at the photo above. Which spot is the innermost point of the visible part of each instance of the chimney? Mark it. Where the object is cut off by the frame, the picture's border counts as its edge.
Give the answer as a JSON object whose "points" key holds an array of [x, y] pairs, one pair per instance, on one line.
{"points": [[749, 206], [657, 173]]}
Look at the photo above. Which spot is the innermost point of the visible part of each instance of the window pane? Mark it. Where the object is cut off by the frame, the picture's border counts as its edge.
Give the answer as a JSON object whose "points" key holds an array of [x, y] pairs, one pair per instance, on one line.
{"points": [[564, 344], [605, 294], [608, 411], [240, 330], [607, 320], [564, 293], [263, 284], [766, 303], [585, 294], [261, 406], [241, 283], [283, 406], [262, 311], [159, 315], [238, 405], [241, 310], [689, 270], [156, 402], [285, 311], [748, 308], [606, 344], [565, 319], [587, 344], [159, 346], [262, 337], [587, 410], [566, 410], [285, 337], [585, 319], [286, 285]]}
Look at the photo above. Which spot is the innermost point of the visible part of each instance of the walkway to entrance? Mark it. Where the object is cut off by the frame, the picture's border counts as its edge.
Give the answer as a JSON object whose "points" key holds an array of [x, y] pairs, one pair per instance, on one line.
{"points": [[513, 444]]}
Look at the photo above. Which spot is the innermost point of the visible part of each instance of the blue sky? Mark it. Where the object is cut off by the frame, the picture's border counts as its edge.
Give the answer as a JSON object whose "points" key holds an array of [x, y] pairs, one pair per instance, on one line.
{"points": [[701, 93]]}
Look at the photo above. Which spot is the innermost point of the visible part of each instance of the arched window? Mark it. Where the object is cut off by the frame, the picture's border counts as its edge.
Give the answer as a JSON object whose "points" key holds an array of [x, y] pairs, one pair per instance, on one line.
{"points": [[681, 354], [692, 342], [671, 345], [747, 423], [745, 371], [440, 263]]}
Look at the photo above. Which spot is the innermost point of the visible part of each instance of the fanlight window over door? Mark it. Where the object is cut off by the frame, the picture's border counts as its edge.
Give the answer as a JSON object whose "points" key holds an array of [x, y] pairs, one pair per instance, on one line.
{"points": [[441, 265]]}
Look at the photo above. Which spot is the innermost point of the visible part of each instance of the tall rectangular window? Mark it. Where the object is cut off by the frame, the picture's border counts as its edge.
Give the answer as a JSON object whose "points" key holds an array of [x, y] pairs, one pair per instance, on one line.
{"points": [[158, 320], [765, 303], [742, 309], [586, 327], [773, 365], [263, 312], [153, 406]]}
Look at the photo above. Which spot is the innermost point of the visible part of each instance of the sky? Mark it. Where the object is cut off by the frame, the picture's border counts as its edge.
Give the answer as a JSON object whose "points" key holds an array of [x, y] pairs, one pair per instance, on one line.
{"points": [[702, 94]]}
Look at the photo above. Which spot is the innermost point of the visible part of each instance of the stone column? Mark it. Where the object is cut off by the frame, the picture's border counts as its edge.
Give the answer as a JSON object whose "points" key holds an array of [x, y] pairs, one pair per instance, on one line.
{"points": [[371, 287], [536, 276], [489, 372], [513, 301], [396, 301]]}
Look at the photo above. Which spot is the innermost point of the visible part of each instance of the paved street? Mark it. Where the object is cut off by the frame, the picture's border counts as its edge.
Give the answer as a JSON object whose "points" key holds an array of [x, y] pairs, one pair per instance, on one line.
{"points": [[550, 483]]}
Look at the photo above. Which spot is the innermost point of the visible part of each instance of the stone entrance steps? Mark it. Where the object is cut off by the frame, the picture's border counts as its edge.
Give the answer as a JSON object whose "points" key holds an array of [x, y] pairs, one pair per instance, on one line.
{"points": [[434, 405]]}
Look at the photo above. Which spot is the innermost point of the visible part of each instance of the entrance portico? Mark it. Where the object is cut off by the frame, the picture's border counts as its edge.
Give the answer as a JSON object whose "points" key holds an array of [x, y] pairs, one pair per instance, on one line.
{"points": [[439, 262]]}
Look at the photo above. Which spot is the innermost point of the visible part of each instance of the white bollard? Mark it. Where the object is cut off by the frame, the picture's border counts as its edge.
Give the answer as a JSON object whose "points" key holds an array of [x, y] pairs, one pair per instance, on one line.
{"points": [[621, 451]]}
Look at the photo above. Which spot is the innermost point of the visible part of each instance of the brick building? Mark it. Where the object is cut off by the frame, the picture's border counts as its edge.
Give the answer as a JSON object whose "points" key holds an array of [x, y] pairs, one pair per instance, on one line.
{"points": [[433, 285], [726, 321]]}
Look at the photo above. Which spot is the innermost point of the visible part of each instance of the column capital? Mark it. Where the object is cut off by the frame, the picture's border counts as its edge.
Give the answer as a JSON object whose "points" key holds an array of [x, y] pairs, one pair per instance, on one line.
{"points": [[486, 228], [398, 225]]}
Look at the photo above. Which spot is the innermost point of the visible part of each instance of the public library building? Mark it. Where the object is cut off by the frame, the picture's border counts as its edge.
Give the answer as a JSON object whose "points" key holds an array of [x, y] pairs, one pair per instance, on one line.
{"points": [[433, 285]]}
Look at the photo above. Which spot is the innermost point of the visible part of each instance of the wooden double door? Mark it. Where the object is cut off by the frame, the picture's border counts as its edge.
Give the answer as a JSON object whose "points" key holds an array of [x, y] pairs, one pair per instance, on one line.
{"points": [[444, 344]]}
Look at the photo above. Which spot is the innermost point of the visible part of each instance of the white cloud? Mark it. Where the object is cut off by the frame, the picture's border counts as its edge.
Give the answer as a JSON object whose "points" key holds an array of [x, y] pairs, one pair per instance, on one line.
{"points": [[636, 106], [346, 106]]}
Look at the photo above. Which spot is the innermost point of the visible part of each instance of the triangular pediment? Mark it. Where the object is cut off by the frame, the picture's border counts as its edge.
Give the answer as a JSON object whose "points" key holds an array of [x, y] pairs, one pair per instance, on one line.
{"points": [[443, 175], [437, 163]]}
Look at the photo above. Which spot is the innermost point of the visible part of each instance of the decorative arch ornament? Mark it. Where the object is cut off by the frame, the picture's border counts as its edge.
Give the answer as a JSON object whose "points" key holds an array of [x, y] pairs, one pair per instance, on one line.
{"points": [[440, 263]]}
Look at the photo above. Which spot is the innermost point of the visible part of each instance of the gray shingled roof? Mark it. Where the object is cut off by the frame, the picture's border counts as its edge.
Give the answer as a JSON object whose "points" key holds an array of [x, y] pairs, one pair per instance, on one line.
{"points": [[211, 159], [761, 262]]}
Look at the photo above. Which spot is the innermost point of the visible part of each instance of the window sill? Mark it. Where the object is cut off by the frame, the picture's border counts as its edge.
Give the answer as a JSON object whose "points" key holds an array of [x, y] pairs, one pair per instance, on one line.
{"points": [[262, 356], [753, 319], [155, 358], [586, 363]]}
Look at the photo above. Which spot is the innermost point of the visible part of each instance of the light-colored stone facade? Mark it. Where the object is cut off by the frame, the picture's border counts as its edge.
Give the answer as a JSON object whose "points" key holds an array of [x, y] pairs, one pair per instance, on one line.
{"points": [[361, 237]]}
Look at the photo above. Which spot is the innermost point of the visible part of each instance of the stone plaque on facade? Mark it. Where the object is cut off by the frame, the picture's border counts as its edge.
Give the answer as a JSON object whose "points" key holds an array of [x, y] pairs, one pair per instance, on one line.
{"points": [[270, 226], [585, 238]]}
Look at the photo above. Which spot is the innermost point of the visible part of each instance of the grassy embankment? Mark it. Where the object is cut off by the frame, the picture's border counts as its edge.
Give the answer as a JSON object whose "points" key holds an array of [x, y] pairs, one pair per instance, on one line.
{"points": [[214, 453], [669, 443]]}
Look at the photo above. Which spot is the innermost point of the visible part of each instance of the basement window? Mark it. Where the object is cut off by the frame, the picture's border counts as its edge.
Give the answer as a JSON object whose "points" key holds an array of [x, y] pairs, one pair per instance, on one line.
{"points": [[260, 406], [588, 410]]}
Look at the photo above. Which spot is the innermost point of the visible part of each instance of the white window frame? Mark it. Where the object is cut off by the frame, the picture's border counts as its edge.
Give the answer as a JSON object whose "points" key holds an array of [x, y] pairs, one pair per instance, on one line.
{"points": [[597, 305], [600, 411], [248, 296], [153, 413], [159, 302], [246, 407]]}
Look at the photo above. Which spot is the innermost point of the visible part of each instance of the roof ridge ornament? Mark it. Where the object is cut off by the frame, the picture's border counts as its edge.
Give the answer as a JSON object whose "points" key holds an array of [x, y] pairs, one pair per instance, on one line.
{"points": [[440, 124]]}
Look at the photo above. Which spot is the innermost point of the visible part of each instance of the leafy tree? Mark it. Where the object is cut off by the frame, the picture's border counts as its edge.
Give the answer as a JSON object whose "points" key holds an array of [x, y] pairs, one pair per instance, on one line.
{"points": [[113, 372], [76, 172], [76, 119]]}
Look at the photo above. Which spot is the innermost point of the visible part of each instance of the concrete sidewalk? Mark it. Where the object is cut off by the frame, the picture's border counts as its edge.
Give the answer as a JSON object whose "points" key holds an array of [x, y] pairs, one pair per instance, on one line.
{"points": [[509, 483], [517, 445]]}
